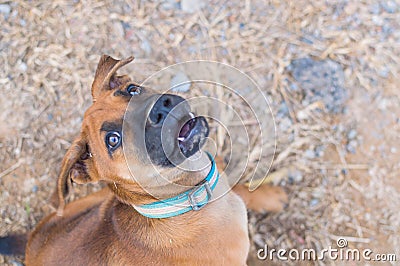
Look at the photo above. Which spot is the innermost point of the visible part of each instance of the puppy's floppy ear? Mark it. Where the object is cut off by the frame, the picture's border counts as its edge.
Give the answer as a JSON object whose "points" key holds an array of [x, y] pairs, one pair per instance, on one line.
{"points": [[105, 77], [72, 167]]}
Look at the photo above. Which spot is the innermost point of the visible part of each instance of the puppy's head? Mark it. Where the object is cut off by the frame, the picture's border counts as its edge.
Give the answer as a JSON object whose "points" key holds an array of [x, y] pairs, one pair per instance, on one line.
{"points": [[131, 136]]}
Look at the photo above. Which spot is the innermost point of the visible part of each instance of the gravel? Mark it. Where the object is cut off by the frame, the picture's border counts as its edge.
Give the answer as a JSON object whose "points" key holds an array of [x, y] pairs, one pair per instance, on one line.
{"points": [[320, 81], [310, 154], [284, 124], [170, 4], [375, 9], [351, 146], [314, 202], [319, 151], [5, 9], [283, 110], [16, 263], [296, 176], [192, 6], [352, 134], [389, 6]]}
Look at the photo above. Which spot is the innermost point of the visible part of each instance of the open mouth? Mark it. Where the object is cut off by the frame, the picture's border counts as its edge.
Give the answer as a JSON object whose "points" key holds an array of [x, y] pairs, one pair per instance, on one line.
{"points": [[192, 134]]}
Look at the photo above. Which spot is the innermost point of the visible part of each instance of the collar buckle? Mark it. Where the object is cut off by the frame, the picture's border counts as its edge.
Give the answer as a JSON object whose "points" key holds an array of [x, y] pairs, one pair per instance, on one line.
{"points": [[196, 205]]}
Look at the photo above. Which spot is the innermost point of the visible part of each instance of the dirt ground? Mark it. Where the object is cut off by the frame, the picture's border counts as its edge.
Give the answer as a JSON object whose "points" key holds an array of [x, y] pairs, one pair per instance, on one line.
{"points": [[337, 112]]}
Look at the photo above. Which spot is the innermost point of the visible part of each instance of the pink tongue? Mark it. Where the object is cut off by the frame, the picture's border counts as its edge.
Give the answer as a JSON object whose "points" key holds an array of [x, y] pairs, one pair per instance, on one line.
{"points": [[184, 131]]}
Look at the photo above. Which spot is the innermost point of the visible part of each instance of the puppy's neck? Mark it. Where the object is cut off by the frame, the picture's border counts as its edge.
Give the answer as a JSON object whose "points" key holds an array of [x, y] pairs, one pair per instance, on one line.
{"points": [[134, 194]]}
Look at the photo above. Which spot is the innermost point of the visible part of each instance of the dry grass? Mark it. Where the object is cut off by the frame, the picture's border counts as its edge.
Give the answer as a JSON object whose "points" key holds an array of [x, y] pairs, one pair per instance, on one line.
{"points": [[49, 51]]}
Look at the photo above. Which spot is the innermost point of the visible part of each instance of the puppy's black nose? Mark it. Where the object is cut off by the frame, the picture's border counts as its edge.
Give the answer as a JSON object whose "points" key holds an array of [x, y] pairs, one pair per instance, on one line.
{"points": [[162, 108]]}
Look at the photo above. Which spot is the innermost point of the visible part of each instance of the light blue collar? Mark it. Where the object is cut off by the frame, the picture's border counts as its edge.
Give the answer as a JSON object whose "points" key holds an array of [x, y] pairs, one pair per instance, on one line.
{"points": [[192, 199]]}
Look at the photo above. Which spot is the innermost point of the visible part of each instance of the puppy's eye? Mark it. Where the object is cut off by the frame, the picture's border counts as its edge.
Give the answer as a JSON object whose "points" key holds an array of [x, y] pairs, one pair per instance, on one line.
{"points": [[113, 140], [133, 89]]}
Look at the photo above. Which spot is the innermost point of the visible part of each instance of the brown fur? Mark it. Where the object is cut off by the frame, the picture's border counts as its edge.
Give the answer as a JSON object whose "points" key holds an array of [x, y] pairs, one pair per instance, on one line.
{"points": [[104, 229]]}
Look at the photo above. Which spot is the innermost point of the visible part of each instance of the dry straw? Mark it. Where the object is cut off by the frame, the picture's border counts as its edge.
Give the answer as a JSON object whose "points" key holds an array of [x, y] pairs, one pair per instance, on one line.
{"points": [[48, 54]]}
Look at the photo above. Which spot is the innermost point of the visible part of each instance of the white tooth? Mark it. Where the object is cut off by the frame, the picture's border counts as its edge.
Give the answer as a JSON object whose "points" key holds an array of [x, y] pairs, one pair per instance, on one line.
{"points": [[181, 138], [191, 115]]}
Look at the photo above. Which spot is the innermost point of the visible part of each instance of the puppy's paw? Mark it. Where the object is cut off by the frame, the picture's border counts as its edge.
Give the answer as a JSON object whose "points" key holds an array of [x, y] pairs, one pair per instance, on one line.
{"points": [[264, 198]]}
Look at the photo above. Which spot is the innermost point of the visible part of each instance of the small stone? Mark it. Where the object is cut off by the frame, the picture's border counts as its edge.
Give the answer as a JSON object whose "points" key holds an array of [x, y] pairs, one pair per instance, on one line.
{"points": [[351, 146], [22, 67], [377, 20], [22, 22], [386, 29], [301, 115], [146, 46], [393, 150], [352, 134], [306, 40], [291, 136], [383, 104], [16, 263], [5, 9], [126, 26], [372, 148], [319, 151], [384, 73], [293, 86], [389, 6], [310, 154], [314, 202], [180, 83], [297, 176], [118, 29], [285, 124], [170, 4], [283, 110], [192, 6], [375, 9]]}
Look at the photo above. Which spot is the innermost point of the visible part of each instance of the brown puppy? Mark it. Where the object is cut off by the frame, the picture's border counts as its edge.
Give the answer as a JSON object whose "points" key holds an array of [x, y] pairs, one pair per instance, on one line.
{"points": [[106, 227]]}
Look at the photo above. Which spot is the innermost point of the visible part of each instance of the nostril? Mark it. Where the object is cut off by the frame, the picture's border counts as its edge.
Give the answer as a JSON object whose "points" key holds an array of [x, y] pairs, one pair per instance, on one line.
{"points": [[156, 119], [159, 118], [162, 107], [167, 102]]}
